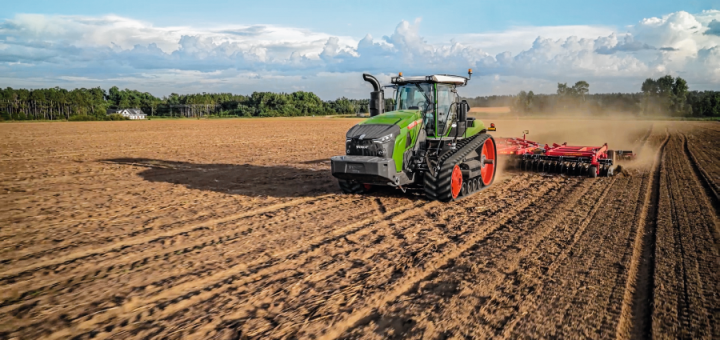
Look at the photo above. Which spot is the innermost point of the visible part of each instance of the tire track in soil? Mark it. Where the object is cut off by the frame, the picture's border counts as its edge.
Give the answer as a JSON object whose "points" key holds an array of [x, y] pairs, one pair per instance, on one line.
{"points": [[636, 313], [217, 279], [146, 258], [703, 151], [418, 274], [180, 298], [27, 254], [583, 266], [465, 293], [703, 180], [175, 302], [145, 239], [377, 279], [687, 275], [526, 285], [561, 297], [22, 228]]}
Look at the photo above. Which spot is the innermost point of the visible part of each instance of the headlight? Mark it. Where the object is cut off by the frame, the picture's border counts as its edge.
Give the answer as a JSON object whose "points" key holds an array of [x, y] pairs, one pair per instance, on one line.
{"points": [[383, 139]]}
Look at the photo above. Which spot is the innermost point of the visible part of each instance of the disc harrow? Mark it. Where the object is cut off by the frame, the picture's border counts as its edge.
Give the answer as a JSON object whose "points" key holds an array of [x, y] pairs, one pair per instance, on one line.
{"points": [[590, 161]]}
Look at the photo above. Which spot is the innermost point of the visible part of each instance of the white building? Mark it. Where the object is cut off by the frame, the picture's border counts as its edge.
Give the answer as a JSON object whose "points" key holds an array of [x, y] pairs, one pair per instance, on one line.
{"points": [[130, 113]]}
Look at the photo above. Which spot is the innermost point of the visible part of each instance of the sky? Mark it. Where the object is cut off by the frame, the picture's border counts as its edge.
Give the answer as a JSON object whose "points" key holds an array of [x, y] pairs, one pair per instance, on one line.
{"points": [[324, 46]]}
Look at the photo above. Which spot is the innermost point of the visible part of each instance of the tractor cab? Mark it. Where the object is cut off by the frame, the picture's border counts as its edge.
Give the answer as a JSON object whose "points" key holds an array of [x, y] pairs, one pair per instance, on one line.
{"points": [[437, 100]]}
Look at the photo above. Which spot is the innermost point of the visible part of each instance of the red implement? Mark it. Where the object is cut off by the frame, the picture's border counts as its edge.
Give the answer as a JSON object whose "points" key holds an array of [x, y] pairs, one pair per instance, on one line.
{"points": [[507, 146], [590, 161]]}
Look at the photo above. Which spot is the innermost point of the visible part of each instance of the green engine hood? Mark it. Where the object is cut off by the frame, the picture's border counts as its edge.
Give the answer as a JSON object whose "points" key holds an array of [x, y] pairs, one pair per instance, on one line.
{"points": [[401, 118]]}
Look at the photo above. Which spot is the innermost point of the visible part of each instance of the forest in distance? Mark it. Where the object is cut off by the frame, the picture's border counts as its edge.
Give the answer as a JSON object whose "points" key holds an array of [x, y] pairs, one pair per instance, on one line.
{"points": [[666, 96]]}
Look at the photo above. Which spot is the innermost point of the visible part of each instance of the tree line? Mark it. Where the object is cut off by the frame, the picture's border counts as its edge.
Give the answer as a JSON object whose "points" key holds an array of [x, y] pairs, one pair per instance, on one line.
{"points": [[666, 96], [93, 104]]}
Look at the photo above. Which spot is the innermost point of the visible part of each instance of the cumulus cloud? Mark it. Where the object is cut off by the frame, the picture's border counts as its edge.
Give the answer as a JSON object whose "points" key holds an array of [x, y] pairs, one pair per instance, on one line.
{"points": [[42, 51], [713, 28]]}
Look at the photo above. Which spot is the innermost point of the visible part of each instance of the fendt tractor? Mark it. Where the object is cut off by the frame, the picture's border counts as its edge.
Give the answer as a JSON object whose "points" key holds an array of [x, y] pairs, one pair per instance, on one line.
{"points": [[427, 142]]}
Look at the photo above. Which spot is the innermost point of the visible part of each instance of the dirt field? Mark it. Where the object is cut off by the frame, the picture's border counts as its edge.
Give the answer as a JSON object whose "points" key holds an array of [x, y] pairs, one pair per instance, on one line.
{"points": [[230, 229], [495, 109]]}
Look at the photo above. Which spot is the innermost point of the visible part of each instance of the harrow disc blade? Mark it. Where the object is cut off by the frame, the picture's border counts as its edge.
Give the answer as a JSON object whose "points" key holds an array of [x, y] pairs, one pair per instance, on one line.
{"points": [[518, 164]]}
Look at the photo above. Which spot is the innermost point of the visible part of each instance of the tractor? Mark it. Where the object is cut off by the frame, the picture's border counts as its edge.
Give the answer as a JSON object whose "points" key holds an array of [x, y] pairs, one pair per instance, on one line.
{"points": [[427, 142]]}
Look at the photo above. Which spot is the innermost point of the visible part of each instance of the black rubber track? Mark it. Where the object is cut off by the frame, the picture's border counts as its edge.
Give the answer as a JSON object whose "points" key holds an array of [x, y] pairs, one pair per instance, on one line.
{"points": [[438, 187]]}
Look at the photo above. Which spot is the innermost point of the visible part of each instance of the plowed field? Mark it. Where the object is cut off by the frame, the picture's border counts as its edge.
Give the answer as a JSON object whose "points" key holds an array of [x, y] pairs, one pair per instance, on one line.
{"points": [[232, 229]]}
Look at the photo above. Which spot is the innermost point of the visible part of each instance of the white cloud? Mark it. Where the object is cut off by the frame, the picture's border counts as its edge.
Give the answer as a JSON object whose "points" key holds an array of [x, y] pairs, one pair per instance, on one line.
{"points": [[517, 39], [44, 51]]}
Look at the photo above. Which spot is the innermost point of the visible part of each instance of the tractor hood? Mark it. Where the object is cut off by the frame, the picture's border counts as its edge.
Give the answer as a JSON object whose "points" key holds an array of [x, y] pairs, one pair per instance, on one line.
{"points": [[401, 118]]}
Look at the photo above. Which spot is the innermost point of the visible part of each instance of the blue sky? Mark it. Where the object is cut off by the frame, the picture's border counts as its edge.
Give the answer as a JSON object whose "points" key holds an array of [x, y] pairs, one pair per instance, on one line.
{"points": [[359, 18], [323, 46]]}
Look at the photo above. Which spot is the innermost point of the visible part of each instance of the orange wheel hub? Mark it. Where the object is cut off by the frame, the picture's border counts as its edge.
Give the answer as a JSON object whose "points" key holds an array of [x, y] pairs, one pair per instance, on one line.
{"points": [[456, 181], [488, 170]]}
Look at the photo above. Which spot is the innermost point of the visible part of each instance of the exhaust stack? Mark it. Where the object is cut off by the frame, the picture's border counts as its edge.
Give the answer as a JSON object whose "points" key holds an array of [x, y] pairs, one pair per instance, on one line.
{"points": [[377, 97]]}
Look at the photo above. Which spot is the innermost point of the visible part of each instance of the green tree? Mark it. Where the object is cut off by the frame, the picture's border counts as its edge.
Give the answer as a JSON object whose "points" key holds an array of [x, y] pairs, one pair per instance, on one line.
{"points": [[581, 88]]}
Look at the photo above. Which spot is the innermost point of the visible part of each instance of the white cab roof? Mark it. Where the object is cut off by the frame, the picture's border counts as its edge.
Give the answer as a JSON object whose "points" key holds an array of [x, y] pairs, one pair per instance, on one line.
{"points": [[437, 78]]}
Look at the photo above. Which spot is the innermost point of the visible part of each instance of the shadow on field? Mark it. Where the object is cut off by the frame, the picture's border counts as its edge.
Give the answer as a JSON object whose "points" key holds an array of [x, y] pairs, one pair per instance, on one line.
{"points": [[245, 179]]}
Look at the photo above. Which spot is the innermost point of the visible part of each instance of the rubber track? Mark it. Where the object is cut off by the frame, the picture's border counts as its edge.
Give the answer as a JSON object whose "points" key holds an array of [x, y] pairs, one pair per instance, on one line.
{"points": [[438, 187]]}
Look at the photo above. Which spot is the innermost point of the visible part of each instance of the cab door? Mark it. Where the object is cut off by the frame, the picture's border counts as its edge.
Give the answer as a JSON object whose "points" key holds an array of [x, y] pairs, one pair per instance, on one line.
{"points": [[445, 111]]}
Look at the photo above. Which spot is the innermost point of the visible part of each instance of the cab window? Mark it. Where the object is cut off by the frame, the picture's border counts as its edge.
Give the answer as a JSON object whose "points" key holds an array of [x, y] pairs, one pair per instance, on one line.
{"points": [[445, 108], [414, 97]]}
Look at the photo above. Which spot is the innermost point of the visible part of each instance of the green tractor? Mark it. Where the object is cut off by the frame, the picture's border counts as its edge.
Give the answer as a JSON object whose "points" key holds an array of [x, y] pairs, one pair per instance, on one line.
{"points": [[427, 142]]}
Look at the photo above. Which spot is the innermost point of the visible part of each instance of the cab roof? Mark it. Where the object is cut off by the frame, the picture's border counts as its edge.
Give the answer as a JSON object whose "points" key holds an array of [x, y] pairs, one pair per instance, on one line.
{"points": [[436, 78]]}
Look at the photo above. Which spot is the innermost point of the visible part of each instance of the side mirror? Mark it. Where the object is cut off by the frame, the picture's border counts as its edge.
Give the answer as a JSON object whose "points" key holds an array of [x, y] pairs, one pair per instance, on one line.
{"points": [[463, 109]]}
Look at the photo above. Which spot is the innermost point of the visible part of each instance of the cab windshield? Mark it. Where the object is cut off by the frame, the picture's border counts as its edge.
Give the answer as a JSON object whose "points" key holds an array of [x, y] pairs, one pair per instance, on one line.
{"points": [[414, 97]]}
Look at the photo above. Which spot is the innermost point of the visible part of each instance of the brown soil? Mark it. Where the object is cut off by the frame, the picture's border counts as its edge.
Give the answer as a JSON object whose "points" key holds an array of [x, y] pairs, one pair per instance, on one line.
{"points": [[494, 109], [235, 229]]}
